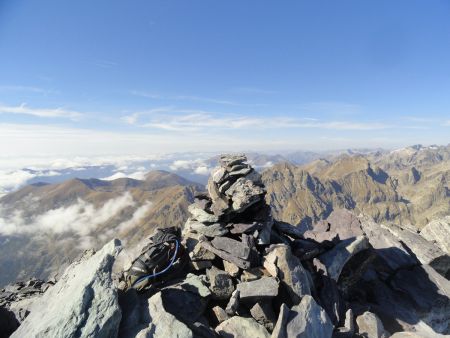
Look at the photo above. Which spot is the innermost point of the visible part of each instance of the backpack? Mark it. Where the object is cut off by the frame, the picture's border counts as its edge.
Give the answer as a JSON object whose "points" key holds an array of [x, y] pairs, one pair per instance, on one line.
{"points": [[157, 260]]}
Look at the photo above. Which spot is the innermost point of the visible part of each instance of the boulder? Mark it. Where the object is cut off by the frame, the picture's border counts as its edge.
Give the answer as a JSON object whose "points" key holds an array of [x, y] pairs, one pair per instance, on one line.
{"points": [[233, 303], [263, 313], [83, 303], [263, 288], [387, 246], [425, 251], [438, 232], [221, 284], [294, 278], [231, 268], [335, 259], [308, 320], [370, 326], [219, 314], [163, 324], [429, 293], [240, 327], [344, 223], [279, 331]]}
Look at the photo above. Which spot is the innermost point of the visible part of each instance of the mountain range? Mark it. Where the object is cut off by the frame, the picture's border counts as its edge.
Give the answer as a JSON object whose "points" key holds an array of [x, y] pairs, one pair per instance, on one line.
{"points": [[44, 226]]}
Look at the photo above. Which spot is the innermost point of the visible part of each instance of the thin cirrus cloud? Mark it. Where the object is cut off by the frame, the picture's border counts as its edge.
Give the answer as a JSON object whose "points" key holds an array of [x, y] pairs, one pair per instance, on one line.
{"points": [[30, 89], [192, 98], [23, 109], [199, 120]]}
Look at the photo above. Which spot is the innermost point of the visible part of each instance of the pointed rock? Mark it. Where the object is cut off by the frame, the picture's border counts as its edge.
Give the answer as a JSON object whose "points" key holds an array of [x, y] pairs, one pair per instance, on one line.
{"points": [[82, 303], [308, 320], [336, 258]]}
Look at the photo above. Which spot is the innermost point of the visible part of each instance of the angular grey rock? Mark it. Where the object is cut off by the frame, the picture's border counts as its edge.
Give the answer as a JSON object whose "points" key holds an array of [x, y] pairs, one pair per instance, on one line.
{"points": [[350, 321], [370, 326], [308, 320], [221, 284], [229, 160], [163, 324], [218, 175], [240, 172], [425, 251], [240, 327], [263, 288], [212, 230], [247, 228], [263, 313], [253, 274], [224, 186], [279, 331], [231, 268], [219, 314], [199, 253], [344, 223], [430, 295], [294, 278], [233, 303], [201, 265], [336, 258], [219, 202], [438, 232], [341, 223], [201, 215], [243, 264], [387, 245], [194, 284], [83, 303], [244, 193], [233, 247]]}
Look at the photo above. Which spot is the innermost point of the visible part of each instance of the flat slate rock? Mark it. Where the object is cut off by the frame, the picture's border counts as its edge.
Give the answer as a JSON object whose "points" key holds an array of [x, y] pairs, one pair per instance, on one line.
{"points": [[265, 287], [233, 247]]}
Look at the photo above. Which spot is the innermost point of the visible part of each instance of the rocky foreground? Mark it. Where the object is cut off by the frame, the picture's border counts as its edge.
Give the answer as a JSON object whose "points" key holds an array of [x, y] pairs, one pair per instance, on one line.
{"points": [[252, 276]]}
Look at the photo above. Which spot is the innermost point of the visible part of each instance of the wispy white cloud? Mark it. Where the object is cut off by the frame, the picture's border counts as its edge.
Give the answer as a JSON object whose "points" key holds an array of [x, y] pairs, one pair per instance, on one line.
{"points": [[447, 123], [31, 89], [195, 121], [23, 109], [191, 98]]}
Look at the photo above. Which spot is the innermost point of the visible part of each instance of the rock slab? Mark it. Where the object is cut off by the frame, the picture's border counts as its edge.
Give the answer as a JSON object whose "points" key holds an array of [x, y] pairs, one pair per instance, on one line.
{"points": [[83, 303]]}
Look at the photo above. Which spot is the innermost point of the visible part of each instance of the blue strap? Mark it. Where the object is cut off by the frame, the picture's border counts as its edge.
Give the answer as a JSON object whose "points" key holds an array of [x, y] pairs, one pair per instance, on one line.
{"points": [[162, 271]]}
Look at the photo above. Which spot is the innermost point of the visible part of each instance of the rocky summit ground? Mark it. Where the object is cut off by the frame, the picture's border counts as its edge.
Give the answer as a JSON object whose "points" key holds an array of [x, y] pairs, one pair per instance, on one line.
{"points": [[250, 275]]}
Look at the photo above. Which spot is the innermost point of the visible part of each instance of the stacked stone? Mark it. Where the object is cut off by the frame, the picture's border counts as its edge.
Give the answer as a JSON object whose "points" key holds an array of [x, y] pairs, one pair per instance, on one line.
{"points": [[254, 286]]}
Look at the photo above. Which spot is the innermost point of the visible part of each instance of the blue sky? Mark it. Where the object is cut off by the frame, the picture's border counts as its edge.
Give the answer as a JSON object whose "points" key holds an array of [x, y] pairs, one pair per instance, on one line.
{"points": [[118, 77]]}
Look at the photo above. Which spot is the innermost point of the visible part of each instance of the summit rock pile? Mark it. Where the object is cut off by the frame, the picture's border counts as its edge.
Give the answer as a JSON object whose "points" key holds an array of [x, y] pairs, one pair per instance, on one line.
{"points": [[252, 276]]}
